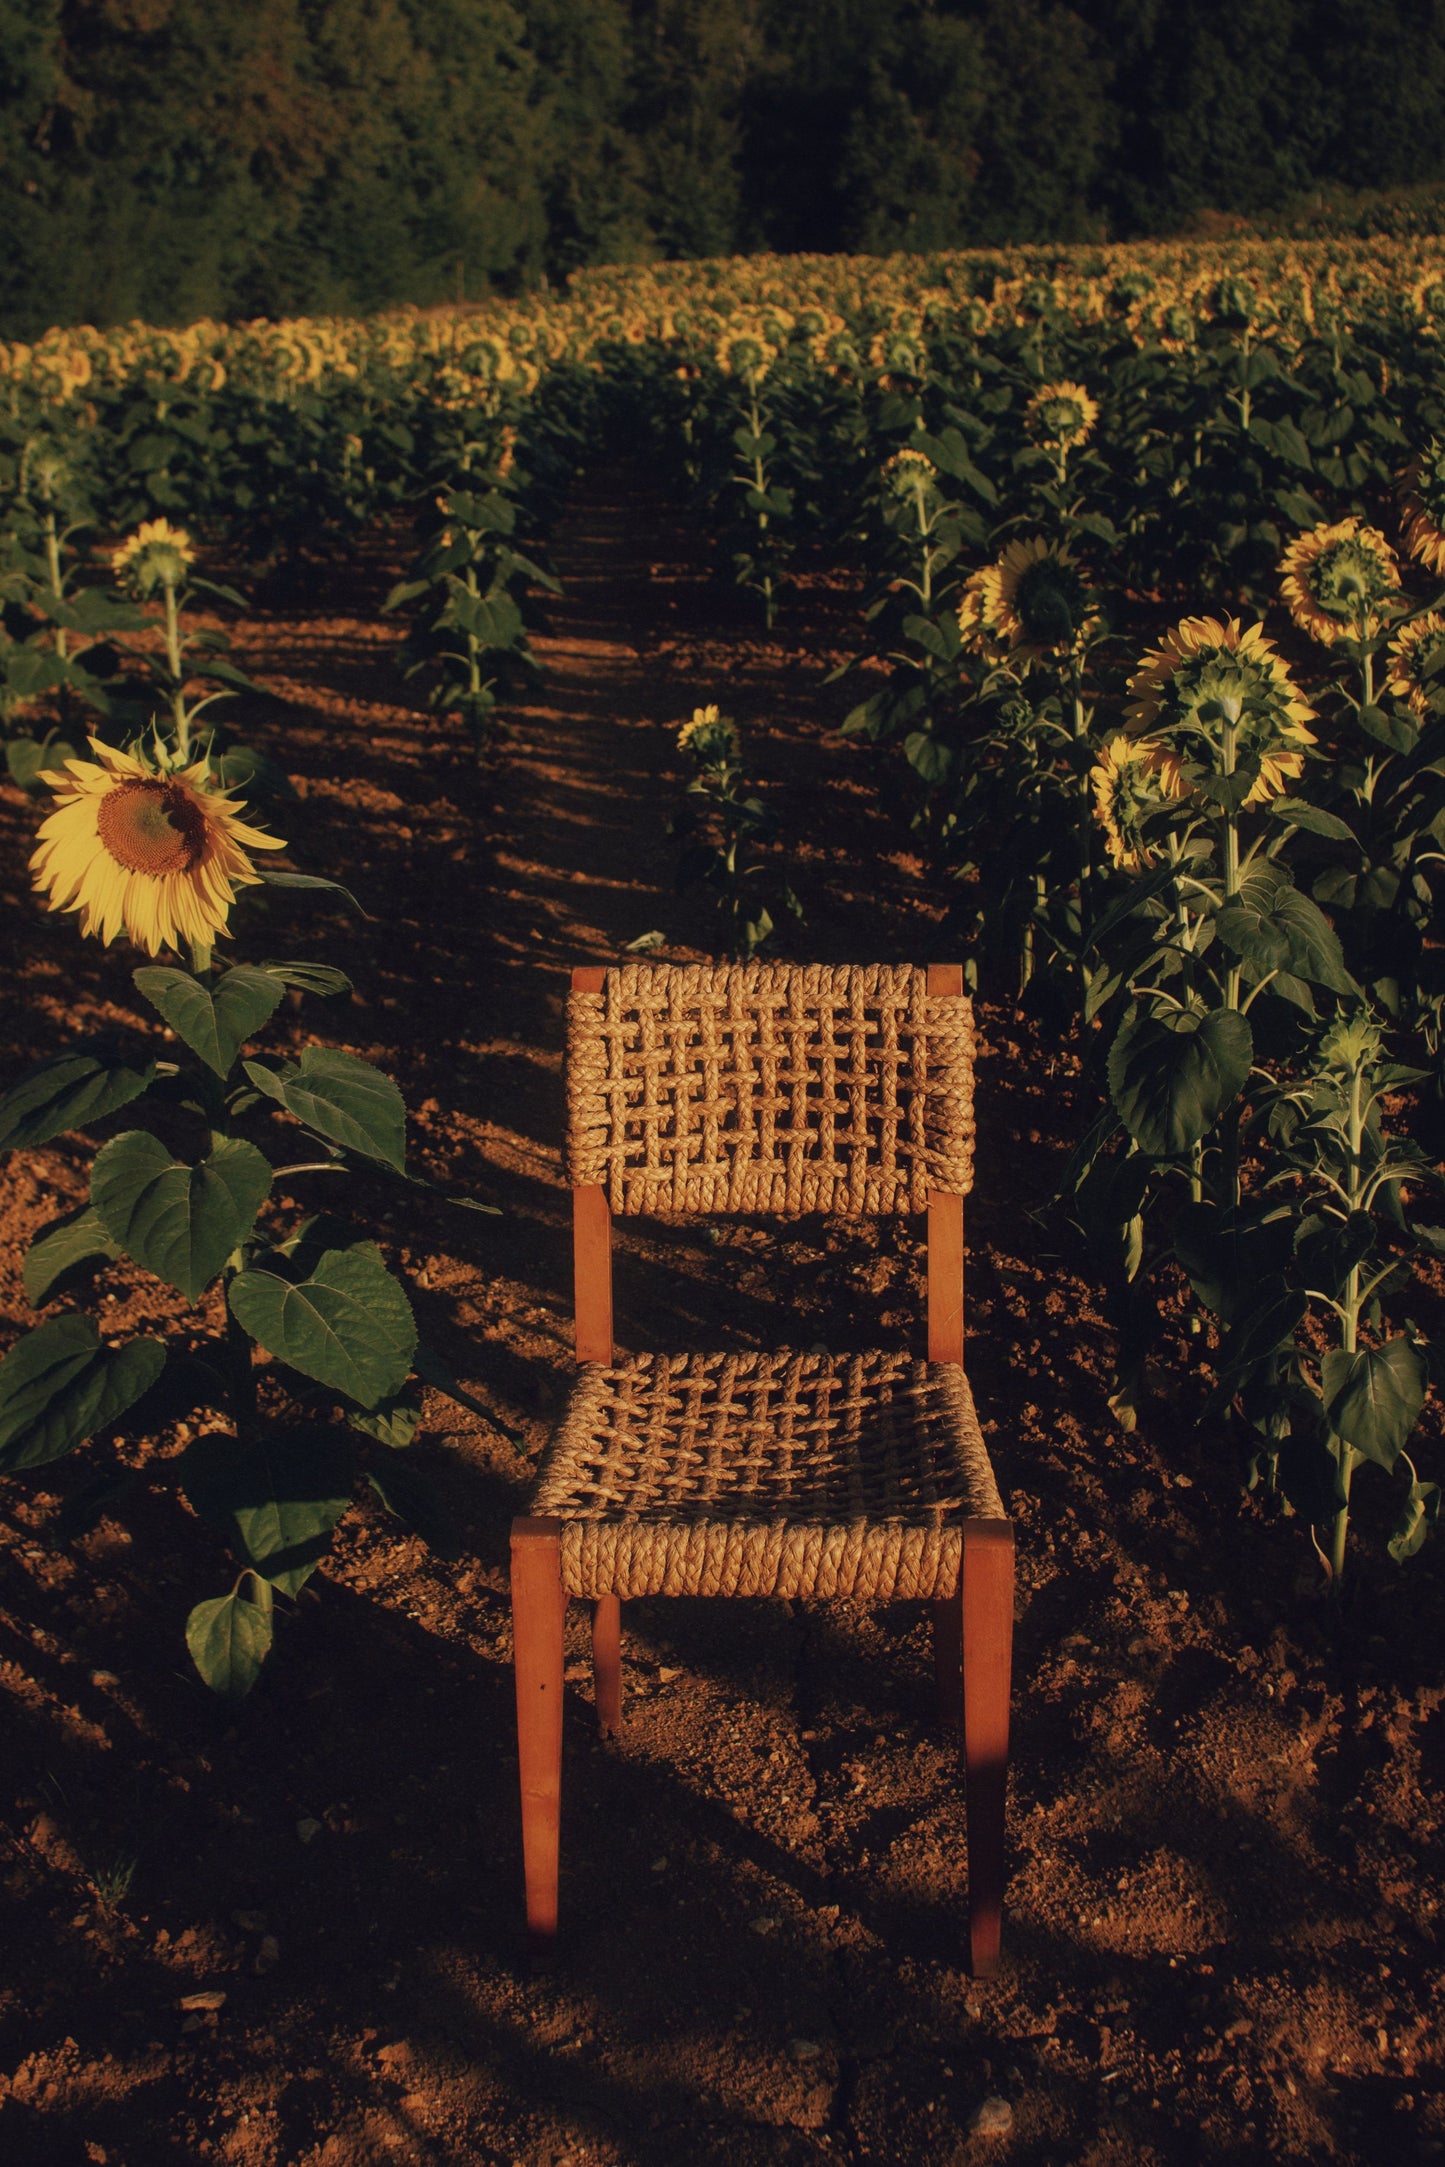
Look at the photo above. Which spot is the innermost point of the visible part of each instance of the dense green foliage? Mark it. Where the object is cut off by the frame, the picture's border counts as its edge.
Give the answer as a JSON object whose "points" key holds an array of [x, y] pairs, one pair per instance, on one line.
{"points": [[174, 158]]}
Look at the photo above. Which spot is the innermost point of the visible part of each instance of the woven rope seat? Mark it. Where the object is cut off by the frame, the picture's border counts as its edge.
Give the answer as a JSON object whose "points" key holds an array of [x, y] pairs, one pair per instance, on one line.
{"points": [[767, 1474]]}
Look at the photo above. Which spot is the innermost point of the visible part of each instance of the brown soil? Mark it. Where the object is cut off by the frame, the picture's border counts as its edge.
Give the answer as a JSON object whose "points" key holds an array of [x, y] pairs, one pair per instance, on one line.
{"points": [[1223, 1938]]}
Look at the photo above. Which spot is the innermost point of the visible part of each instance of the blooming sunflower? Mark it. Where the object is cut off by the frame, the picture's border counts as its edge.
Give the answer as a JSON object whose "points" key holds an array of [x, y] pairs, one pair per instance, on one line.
{"points": [[1422, 506], [1412, 651], [1336, 579], [156, 857], [710, 736], [1033, 599], [1136, 777], [1208, 669], [156, 555], [1061, 414]]}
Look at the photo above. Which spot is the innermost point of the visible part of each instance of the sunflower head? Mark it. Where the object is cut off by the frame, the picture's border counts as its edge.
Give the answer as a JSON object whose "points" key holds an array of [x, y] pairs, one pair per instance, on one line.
{"points": [[156, 555], [1031, 602], [1210, 674], [710, 737], [1422, 506], [1135, 780], [157, 856], [1061, 414], [1337, 580], [1416, 662], [906, 471]]}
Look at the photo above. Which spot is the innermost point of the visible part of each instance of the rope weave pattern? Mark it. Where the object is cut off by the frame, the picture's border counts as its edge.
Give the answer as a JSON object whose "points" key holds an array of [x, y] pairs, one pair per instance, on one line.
{"points": [[756, 1087], [767, 1474]]}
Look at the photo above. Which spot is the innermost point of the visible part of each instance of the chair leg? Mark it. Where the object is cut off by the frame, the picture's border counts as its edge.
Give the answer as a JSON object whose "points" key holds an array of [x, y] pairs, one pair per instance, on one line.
{"points": [[607, 1663], [987, 1616], [948, 1660], [539, 1607]]}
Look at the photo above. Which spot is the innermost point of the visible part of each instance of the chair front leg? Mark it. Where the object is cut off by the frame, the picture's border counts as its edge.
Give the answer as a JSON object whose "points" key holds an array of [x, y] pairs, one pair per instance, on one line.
{"points": [[988, 1614], [539, 1608], [607, 1664]]}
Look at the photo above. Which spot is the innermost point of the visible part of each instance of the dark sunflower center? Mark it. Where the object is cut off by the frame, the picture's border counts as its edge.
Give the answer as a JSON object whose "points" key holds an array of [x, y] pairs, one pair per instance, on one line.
{"points": [[1049, 602], [151, 827]]}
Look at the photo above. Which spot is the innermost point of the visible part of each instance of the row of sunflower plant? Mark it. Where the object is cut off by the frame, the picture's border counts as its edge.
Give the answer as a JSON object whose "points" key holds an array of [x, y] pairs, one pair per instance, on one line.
{"points": [[291, 1342], [1230, 882]]}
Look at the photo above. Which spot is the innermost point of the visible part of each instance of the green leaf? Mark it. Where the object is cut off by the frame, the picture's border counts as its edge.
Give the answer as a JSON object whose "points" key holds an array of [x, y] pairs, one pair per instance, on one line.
{"points": [[26, 758], [1373, 1398], [1421, 1507], [59, 1385], [1229, 1254], [1171, 1080], [214, 1025], [229, 1639], [71, 1092], [930, 761], [1394, 729], [320, 978], [278, 1495], [180, 1222], [344, 1098], [1309, 1475], [1299, 813], [79, 1238], [394, 1422], [349, 1325], [1263, 1327], [1275, 928], [275, 878]]}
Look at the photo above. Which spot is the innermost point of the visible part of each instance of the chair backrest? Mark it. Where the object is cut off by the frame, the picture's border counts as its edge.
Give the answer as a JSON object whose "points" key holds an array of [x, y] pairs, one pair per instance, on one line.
{"points": [[770, 1087]]}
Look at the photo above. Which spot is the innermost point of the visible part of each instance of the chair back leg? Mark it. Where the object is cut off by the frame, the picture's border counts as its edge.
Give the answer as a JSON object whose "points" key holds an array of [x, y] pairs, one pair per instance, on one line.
{"points": [[987, 1613], [539, 1608], [607, 1663]]}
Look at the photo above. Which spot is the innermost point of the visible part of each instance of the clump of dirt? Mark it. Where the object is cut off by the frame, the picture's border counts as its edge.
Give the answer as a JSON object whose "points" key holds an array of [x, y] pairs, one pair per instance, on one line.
{"points": [[287, 1935]]}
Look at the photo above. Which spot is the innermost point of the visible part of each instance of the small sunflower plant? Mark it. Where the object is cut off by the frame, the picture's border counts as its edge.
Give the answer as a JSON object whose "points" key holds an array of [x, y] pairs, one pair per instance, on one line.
{"points": [[156, 565], [728, 835], [59, 663], [465, 596], [754, 506], [281, 1338]]}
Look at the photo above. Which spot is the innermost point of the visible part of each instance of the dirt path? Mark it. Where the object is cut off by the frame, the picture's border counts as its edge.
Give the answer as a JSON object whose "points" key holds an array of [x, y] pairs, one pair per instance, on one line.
{"points": [[1222, 1941]]}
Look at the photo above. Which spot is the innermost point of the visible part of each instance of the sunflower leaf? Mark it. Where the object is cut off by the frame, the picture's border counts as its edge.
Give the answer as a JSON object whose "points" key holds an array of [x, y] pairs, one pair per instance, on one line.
{"points": [[349, 1325], [1275, 928], [275, 878], [229, 1639], [180, 1222], [322, 978], [78, 1238], [59, 1385], [71, 1092], [214, 1025], [278, 1496], [1170, 1084], [344, 1098], [1373, 1398]]}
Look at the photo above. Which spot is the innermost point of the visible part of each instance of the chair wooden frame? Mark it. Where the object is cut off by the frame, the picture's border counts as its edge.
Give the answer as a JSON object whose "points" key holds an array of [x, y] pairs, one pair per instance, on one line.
{"points": [[972, 1629]]}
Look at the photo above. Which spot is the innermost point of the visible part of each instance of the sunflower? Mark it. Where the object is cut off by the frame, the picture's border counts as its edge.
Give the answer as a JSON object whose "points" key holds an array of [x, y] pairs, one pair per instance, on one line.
{"points": [[1061, 414], [907, 469], [1032, 600], [1135, 778], [156, 555], [1336, 579], [710, 737], [157, 857], [1209, 671], [1412, 651], [1422, 506]]}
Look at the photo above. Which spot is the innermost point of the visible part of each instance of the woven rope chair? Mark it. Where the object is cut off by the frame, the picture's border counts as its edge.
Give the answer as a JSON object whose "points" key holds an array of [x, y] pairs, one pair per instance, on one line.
{"points": [[768, 1088]]}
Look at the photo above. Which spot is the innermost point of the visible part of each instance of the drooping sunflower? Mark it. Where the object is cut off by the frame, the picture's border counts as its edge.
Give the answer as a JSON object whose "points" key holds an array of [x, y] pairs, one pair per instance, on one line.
{"points": [[158, 857], [1422, 506], [1136, 778], [1209, 670], [710, 736], [1032, 600], [156, 555], [1335, 580], [906, 470], [1061, 414], [1415, 657]]}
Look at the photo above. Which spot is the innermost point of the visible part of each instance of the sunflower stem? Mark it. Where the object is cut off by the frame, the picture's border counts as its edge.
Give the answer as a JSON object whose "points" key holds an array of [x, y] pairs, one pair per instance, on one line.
{"points": [[52, 559], [201, 958], [173, 656]]}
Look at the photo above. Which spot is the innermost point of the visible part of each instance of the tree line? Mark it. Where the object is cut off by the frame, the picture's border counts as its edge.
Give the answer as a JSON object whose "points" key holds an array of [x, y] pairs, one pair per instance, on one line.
{"points": [[174, 158]]}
